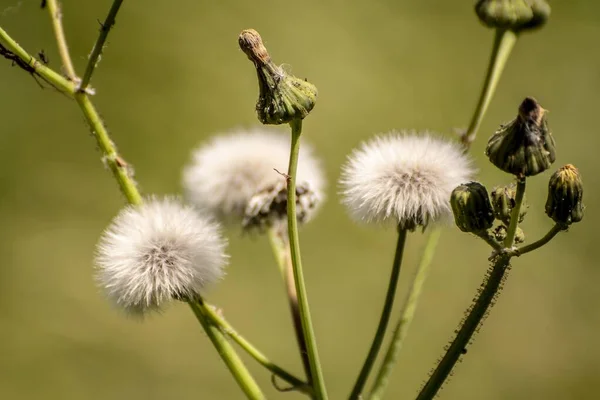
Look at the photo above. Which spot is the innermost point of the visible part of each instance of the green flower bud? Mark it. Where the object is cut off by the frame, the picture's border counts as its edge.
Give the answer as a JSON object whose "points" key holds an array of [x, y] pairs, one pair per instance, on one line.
{"points": [[519, 235], [471, 207], [503, 202], [524, 146], [565, 196], [514, 15], [282, 97], [500, 233]]}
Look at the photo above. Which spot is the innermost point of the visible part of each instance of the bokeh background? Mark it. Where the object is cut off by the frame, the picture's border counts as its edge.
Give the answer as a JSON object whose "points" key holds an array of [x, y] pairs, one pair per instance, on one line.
{"points": [[171, 76]]}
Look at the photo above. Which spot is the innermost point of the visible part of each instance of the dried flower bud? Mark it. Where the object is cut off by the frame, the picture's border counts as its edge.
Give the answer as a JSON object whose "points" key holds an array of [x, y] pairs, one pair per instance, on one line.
{"points": [[524, 146], [565, 196], [471, 207], [514, 15], [503, 202], [282, 97]]}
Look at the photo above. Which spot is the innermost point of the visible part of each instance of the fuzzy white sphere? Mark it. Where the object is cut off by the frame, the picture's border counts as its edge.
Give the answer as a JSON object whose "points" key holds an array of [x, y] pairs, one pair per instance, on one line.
{"points": [[156, 252], [230, 169], [403, 177]]}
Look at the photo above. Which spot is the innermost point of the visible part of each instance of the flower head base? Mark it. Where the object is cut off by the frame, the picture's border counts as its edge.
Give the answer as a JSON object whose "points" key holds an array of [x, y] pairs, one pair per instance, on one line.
{"points": [[236, 177], [403, 177], [471, 207], [158, 251], [524, 146], [565, 196], [515, 15], [282, 97]]}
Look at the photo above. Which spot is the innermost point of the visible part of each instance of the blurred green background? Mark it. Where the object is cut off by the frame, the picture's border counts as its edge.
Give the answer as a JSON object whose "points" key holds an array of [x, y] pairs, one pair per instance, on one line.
{"points": [[171, 76]]}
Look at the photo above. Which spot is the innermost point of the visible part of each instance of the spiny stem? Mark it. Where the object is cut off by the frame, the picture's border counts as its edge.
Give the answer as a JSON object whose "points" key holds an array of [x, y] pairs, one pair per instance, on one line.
{"points": [[63, 49], [461, 341], [383, 320], [504, 42], [536, 245], [48, 74], [235, 365], [406, 317], [281, 249], [99, 45], [315, 366], [514, 217]]}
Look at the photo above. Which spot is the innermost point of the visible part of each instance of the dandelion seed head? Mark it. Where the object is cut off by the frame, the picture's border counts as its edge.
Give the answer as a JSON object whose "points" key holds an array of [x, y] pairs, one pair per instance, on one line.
{"points": [[158, 251], [403, 177]]}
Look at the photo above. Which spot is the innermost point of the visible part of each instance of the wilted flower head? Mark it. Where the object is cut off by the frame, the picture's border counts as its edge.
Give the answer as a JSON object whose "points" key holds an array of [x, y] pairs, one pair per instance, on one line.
{"points": [[236, 175], [403, 177], [158, 251]]}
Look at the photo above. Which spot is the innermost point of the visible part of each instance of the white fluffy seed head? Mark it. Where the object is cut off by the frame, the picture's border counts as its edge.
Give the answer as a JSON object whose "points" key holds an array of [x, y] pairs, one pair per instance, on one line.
{"points": [[228, 171], [158, 251], [403, 177]]}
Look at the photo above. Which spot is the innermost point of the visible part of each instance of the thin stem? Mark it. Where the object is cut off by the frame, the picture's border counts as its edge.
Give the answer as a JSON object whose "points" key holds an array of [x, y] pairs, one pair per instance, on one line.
{"points": [[315, 367], [383, 320], [485, 235], [504, 42], [99, 45], [63, 49], [48, 74], [461, 341], [219, 321], [514, 217], [228, 355], [281, 249], [406, 316], [536, 245]]}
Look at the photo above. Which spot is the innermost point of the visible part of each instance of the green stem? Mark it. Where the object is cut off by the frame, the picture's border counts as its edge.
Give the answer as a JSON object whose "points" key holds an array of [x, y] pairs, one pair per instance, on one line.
{"points": [[383, 320], [504, 42], [56, 17], [536, 245], [219, 321], [99, 45], [228, 355], [281, 249], [49, 75], [485, 235], [315, 367], [461, 341], [406, 316], [514, 217]]}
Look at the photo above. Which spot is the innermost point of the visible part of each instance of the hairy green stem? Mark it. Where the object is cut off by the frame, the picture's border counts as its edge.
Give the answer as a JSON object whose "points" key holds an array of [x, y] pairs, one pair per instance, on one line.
{"points": [[536, 245], [228, 355], [504, 42], [514, 217], [316, 373], [222, 323], [48, 74], [406, 316], [280, 245], [56, 17], [459, 344], [99, 45], [383, 320]]}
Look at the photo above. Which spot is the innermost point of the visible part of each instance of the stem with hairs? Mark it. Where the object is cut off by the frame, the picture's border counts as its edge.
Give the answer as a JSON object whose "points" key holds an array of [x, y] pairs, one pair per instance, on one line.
{"points": [[316, 373], [56, 16], [383, 320]]}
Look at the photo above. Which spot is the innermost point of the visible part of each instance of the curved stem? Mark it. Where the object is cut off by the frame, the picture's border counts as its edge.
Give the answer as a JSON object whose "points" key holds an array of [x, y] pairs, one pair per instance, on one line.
{"points": [[383, 320], [504, 42], [228, 355], [56, 17], [315, 367], [485, 235], [514, 217], [406, 316], [536, 245], [99, 45], [219, 321], [281, 249], [460, 342]]}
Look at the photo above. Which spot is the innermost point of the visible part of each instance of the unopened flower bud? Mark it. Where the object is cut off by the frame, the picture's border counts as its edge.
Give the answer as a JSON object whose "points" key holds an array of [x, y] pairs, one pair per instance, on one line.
{"points": [[519, 235], [565, 194], [514, 15], [282, 97], [503, 202], [524, 146], [471, 207]]}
